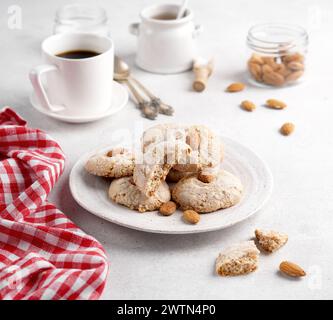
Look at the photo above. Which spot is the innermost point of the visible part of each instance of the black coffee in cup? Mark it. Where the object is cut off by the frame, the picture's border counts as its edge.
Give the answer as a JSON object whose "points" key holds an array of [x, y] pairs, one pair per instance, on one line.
{"points": [[78, 54]]}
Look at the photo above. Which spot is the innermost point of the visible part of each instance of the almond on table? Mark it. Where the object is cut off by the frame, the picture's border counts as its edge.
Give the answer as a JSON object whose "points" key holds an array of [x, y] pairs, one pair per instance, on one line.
{"points": [[291, 269], [248, 105], [287, 128], [276, 104], [236, 87]]}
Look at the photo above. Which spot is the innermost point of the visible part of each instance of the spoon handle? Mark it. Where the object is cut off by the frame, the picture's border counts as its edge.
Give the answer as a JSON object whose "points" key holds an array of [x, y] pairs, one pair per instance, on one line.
{"points": [[143, 88], [182, 9], [135, 93], [161, 107], [149, 111]]}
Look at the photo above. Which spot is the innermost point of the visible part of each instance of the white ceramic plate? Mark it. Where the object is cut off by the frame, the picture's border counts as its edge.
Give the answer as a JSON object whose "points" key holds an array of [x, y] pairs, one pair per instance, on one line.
{"points": [[91, 193], [120, 98]]}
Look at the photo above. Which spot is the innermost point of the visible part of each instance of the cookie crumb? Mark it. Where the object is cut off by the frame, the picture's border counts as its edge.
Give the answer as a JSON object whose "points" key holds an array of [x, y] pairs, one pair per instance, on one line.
{"points": [[191, 216], [240, 258], [168, 208], [270, 240]]}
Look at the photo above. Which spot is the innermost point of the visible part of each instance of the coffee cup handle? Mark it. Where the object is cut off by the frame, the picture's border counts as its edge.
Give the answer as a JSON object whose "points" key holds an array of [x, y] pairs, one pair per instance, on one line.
{"points": [[197, 30], [35, 78], [134, 28]]}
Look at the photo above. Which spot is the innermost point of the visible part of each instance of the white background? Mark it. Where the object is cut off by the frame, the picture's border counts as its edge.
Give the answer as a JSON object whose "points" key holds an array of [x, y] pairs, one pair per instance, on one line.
{"points": [[151, 266]]}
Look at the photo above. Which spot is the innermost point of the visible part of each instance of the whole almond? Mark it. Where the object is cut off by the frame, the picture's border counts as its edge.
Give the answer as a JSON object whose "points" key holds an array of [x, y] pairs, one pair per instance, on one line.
{"points": [[283, 70], [168, 208], [266, 68], [236, 87], [295, 66], [255, 70], [287, 129], [294, 76], [270, 61], [275, 104], [256, 58], [191, 216], [291, 269], [205, 178], [248, 105], [273, 78], [293, 57]]}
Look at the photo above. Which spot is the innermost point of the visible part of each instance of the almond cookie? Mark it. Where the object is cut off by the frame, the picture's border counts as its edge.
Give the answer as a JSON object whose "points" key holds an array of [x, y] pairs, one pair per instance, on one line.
{"points": [[186, 148], [163, 146], [223, 192], [206, 146], [158, 160], [148, 178], [207, 149], [115, 163], [240, 258], [163, 132], [123, 191]]}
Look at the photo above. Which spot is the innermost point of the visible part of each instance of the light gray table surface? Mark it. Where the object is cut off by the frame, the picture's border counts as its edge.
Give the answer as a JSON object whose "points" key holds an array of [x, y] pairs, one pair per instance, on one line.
{"points": [[152, 266]]}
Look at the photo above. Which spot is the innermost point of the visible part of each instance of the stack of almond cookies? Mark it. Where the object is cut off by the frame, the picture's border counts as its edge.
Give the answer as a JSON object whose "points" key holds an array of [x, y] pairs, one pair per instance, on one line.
{"points": [[188, 155]]}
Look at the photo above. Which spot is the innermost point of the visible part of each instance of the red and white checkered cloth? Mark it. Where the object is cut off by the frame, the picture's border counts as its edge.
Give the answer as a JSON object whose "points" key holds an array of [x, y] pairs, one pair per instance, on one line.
{"points": [[43, 255]]}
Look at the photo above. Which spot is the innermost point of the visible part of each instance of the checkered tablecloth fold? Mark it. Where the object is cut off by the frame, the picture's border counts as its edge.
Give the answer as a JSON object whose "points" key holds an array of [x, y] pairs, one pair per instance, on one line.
{"points": [[43, 255]]}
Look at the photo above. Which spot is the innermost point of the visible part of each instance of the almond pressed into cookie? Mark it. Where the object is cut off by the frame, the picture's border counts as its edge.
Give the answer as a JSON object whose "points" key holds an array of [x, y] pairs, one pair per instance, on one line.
{"points": [[222, 192]]}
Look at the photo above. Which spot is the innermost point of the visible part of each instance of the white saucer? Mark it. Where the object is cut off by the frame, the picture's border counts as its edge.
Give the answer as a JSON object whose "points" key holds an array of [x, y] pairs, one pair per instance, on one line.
{"points": [[91, 193], [120, 98]]}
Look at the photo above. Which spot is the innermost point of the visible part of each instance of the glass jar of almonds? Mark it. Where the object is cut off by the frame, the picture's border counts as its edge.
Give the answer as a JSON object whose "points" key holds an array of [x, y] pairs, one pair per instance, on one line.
{"points": [[278, 53]]}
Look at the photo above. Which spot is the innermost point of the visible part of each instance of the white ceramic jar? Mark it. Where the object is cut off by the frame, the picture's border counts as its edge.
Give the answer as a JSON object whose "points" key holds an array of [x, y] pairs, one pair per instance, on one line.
{"points": [[165, 45]]}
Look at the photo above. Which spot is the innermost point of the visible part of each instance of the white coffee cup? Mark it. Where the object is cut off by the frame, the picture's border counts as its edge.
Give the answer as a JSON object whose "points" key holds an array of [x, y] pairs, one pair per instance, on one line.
{"points": [[165, 46], [75, 87]]}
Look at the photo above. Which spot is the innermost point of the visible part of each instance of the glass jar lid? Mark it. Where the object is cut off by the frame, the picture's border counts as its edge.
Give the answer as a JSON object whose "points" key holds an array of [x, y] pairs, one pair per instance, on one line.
{"points": [[81, 15], [272, 38]]}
